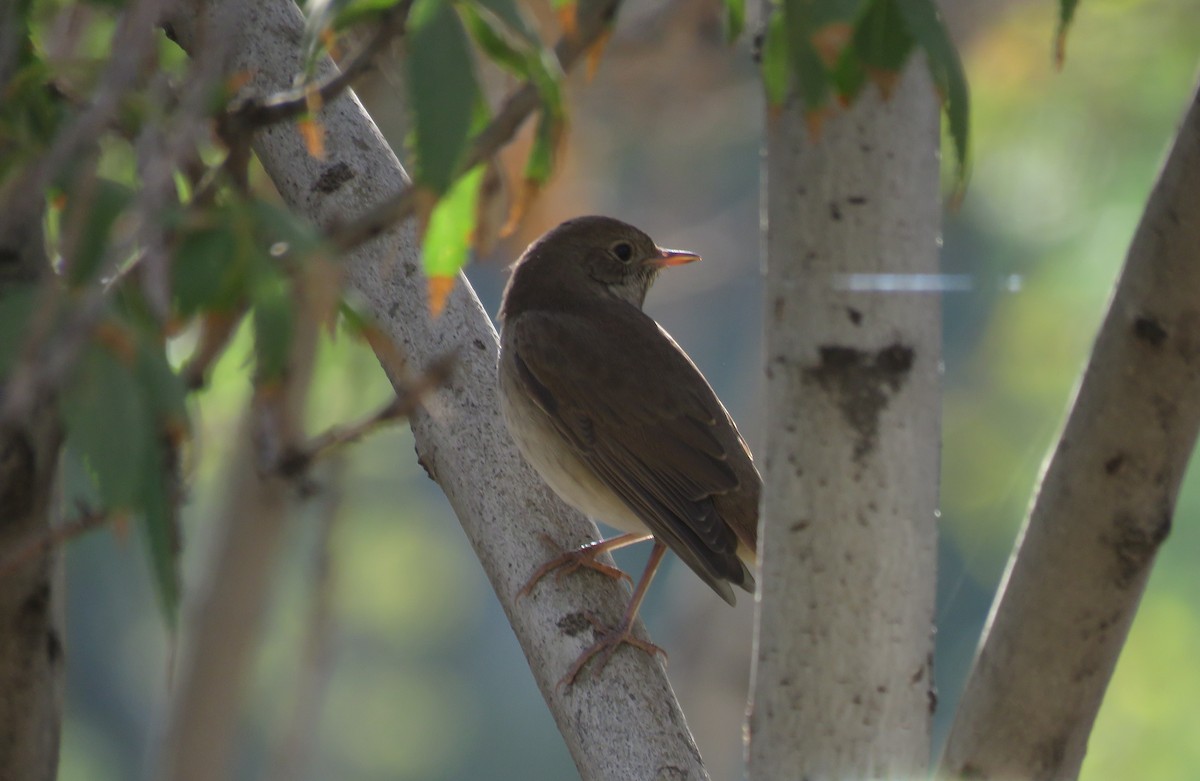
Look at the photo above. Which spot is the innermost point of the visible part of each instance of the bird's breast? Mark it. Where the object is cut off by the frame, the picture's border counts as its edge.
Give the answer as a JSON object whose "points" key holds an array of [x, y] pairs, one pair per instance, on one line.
{"points": [[555, 459]]}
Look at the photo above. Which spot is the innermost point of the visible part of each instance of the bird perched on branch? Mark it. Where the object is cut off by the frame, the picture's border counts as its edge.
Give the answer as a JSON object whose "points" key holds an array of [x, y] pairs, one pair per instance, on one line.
{"points": [[617, 419]]}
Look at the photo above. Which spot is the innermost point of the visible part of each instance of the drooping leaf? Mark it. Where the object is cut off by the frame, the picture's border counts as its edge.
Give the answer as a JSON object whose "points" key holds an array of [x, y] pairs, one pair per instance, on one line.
{"points": [[493, 43], [443, 90], [926, 25], [883, 43], [447, 241], [510, 13], [109, 424], [775, 64], [160, 524]]}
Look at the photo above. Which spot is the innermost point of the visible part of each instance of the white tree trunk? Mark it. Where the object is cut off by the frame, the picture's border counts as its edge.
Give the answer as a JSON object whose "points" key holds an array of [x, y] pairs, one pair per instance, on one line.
{"points": [[623, 724], [842, 680], [1104, 506]]}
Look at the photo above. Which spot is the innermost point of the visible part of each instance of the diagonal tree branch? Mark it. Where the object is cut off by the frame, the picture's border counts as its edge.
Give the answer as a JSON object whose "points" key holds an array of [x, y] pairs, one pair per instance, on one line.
{"points": [[624, 724], [1104, 506]]}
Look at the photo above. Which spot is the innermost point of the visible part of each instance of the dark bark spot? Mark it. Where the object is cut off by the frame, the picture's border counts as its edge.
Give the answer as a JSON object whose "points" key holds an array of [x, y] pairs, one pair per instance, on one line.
{"points": [[1114, 464], [479, 345], [573, 624], [799, 526], [778, 307], [835, 211], [860, 382], [856, 200], [333, 177], [854, 315], [1149, 330], [1135, 544]]}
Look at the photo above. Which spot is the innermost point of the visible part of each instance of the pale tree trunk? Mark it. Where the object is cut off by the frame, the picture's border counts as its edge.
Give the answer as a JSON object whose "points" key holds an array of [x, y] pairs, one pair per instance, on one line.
{"points": [[623, 724], [842, 682], [31, 647], [1103, 507]]}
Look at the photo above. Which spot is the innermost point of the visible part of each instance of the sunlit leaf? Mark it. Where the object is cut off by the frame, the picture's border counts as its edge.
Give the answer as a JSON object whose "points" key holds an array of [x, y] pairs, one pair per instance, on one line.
{"points": [[447, 243], [313, 133], [443, 89]]}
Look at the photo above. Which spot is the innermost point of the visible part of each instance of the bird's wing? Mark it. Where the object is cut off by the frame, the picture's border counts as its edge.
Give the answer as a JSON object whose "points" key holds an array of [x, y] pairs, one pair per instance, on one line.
{"points": [[661, 440]]}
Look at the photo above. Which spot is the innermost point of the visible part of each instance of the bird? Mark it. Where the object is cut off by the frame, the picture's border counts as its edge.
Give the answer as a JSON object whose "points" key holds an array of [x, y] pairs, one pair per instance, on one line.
{"points": [[618, 420]]}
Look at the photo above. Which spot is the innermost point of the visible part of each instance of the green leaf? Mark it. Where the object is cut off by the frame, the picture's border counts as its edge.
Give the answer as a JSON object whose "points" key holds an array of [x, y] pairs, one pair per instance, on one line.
{"points": [[443, 89], [16, 310], [493, 43], [273, 319], [775, 64], [925, 24], [540, 164], [108, 423], [209, 271], [92, 208], [735, 19], [160, 525], [447, 242], [510, 13], [882, 39], [162, 387], [811, 78]]}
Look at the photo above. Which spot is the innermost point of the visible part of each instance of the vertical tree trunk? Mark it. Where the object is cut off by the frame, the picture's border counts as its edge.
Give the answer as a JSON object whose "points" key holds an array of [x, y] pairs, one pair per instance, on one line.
{"points": [[842, 681], [31, 649]]}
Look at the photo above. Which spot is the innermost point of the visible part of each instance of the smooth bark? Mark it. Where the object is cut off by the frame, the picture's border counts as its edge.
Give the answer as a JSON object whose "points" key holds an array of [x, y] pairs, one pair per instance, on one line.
{"points": [[1104, 505], [842, 683]]}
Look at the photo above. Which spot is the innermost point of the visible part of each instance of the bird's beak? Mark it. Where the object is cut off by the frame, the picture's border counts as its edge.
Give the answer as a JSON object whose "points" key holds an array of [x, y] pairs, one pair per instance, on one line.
{"points": [[673, 257]]}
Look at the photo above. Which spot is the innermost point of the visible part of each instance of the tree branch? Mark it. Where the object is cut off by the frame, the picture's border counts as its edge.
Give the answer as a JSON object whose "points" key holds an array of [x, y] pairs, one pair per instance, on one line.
{"points": [[624, 724], [1103, 507]]}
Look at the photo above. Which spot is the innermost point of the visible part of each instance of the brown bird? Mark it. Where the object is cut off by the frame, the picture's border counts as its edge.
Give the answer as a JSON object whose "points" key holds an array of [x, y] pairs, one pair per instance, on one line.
{"points": [[617, 419]]}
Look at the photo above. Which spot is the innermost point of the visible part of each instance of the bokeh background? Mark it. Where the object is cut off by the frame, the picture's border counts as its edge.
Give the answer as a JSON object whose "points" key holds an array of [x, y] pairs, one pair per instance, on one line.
{"points": [[423, 678]]}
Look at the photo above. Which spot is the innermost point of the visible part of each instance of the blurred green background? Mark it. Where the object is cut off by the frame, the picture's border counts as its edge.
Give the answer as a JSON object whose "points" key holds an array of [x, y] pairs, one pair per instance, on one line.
{"points": [[424, 679]]}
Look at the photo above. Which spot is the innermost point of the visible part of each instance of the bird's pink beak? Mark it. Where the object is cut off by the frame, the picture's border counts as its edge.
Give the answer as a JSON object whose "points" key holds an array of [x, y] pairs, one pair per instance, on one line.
{"points": [[673, 257]]}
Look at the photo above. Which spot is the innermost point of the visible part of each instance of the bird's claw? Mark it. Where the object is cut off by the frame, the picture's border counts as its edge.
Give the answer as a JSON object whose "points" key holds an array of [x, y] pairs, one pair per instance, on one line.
{"points": [[583, 557], [608, 641]]}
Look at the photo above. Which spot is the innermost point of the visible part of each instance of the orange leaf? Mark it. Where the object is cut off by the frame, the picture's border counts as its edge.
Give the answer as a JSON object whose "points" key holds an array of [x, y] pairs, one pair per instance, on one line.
{"points": [[830, 40], [439, 291], [313, 134], [885, 80], [520, 206], [595, 50], [329, 41], [568, 19]]}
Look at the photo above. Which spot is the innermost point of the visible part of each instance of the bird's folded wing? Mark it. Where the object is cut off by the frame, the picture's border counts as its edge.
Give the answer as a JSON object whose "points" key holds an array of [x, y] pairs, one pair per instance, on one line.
{"points": [[656, 440]]}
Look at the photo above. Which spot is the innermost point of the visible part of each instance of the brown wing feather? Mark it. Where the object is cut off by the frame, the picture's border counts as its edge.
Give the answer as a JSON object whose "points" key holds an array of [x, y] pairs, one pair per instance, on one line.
{"points": [[671, 456]]}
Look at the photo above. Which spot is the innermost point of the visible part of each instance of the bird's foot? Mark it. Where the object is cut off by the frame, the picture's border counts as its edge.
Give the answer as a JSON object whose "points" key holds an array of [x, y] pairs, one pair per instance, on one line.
{"points": [[583, 557], [608, 640]]}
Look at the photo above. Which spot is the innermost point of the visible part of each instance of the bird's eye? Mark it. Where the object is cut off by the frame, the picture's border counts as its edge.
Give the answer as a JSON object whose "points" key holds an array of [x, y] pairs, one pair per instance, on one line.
{"points": [[623, 250]]}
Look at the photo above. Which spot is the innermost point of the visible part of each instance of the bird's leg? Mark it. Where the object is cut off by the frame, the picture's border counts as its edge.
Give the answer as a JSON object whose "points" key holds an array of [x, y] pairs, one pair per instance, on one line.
{"points": [[611, 638], [584, 556]]}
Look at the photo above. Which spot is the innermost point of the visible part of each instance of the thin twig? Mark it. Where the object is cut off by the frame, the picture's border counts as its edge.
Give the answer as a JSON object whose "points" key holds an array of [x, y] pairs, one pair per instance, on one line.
{"points": [[253, 114], [515, 110], [408, 398], [49, 538]]}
